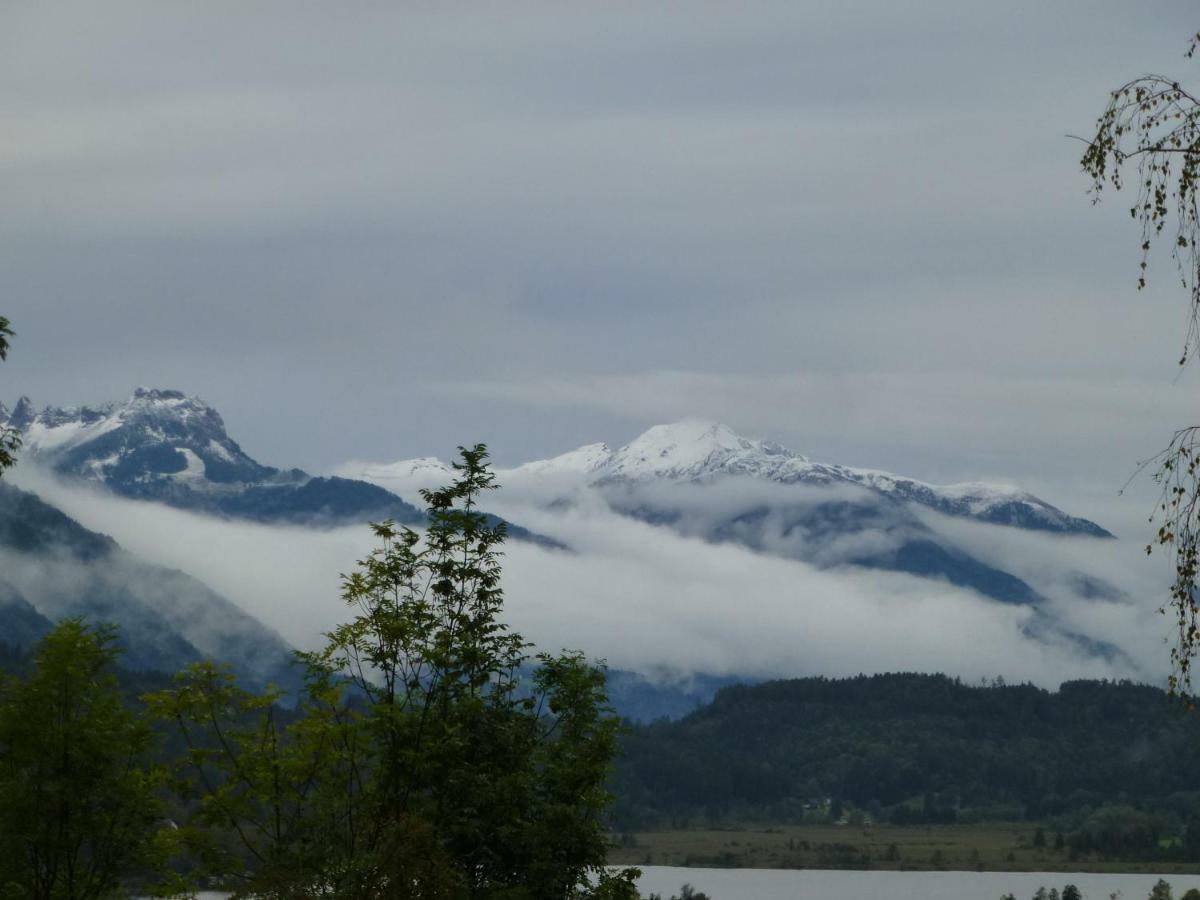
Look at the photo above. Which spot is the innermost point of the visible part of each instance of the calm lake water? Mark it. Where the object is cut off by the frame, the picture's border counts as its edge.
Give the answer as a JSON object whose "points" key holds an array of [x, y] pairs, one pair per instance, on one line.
{"points": [[812, 884]]}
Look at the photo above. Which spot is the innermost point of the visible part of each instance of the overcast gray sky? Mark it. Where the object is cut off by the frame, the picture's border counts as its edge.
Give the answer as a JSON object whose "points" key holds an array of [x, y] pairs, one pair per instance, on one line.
{"points": [[378, 230]]}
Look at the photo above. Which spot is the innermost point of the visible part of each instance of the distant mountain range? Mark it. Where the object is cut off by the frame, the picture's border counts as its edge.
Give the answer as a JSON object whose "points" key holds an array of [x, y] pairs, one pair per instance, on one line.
{"points": [[705, 480], [701, 452], [167, 447], [699, 479]]}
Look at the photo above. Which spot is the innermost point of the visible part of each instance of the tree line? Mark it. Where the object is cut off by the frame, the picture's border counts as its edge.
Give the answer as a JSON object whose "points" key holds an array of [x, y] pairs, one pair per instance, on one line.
{"points": [[428, 755], [1160, 891]]}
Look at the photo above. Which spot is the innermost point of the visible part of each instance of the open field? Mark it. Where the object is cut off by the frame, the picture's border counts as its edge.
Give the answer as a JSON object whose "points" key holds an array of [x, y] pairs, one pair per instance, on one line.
{"points": [[994, 847]]}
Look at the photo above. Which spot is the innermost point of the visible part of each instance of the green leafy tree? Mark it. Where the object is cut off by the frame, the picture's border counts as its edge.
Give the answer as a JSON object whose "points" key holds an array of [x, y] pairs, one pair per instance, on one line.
{"points": [[421, 761], [284, 806], [1160, 891], [1149, 133], [10, 441], [78, 807], [687, 892], [1070, 892]]}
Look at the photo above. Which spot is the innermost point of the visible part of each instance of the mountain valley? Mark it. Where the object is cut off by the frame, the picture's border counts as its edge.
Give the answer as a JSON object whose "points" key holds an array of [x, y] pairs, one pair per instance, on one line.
{"points": [[698, 481]]}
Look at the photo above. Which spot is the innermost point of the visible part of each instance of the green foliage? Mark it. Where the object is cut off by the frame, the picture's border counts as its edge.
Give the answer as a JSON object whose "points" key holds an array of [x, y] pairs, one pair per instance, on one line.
{"points": [[1070, 892], [687, 892], [10, 441], [617, 884], [275, 804], [78, 808], [1151, 126], [1120, 832], [418, 763]]}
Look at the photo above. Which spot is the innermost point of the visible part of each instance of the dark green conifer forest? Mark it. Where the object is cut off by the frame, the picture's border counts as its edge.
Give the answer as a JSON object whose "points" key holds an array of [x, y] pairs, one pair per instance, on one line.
{"points": [[1110, 762]]}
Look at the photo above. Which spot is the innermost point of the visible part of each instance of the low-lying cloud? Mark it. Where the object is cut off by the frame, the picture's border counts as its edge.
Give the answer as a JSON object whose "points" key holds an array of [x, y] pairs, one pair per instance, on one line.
{"points": [[651, 600]]}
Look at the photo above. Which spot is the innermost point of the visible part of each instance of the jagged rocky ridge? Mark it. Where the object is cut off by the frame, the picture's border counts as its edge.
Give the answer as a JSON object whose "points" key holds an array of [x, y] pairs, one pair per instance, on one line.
{"points": [[164, 446], [52, 568]]}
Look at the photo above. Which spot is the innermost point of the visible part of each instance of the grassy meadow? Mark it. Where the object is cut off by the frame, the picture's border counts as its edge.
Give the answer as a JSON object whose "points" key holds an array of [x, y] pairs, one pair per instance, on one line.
{"points": [[991, 847]]}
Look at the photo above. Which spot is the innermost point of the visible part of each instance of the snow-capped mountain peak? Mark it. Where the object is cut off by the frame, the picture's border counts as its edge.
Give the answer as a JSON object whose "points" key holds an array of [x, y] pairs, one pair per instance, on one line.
{"points": [[695, 448], [701, 451], [166, 446], [154, 433]]}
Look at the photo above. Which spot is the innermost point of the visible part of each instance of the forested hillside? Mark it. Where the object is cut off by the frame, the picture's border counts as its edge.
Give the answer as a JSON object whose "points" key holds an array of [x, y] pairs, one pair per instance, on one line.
{"points": [[909, 749]]}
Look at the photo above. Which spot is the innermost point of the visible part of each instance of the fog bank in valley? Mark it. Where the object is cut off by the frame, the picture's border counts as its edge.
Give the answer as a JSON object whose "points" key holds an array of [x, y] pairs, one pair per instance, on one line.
{"points": [[648, 599]]}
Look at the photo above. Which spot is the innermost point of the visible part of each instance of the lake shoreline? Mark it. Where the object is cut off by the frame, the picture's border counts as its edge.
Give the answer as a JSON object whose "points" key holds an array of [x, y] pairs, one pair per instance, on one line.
{"points": [[976, 848], [818, 884]]}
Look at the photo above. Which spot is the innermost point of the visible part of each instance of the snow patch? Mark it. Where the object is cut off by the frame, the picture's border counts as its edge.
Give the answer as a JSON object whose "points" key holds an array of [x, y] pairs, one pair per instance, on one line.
{"points": [[43, 438], [195, 470], [217, 450]]}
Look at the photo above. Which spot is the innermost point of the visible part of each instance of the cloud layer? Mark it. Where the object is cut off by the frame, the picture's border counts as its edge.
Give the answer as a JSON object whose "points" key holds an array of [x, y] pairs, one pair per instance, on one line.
{"points": [[650, 600]]}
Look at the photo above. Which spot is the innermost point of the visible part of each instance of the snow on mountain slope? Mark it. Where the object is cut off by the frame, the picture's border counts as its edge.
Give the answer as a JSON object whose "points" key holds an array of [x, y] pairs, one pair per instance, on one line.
{"points": [[407, 476], [167, 447], [163, 445], [698, 451], [703, 451], [702, 480], [586, 460], [153, 434]]}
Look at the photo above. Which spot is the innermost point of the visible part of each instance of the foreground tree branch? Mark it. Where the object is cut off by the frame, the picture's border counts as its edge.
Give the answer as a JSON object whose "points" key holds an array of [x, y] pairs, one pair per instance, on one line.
{"points": [[1150, 132]]}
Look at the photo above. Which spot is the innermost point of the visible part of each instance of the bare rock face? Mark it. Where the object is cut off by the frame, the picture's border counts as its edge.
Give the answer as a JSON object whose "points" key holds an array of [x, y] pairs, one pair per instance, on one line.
{"points": [[166, 446]]}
